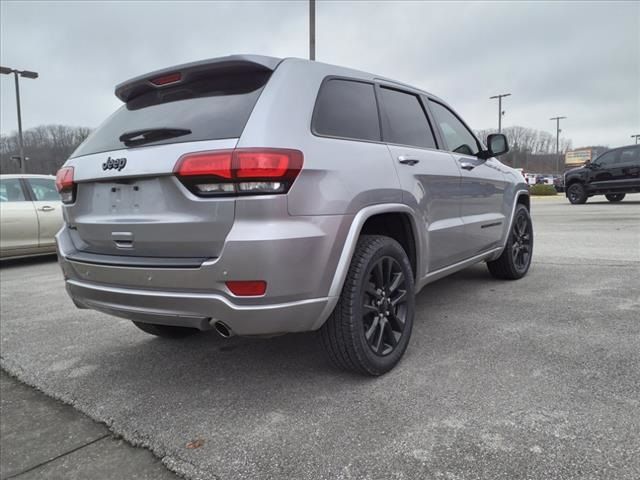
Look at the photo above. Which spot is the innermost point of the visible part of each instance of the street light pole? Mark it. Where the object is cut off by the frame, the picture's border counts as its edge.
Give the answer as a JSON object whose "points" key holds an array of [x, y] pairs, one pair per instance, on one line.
{"points": [[23, 166], [312, 29], [636, 137], [16, 74], [500, 112], [557, 119]]}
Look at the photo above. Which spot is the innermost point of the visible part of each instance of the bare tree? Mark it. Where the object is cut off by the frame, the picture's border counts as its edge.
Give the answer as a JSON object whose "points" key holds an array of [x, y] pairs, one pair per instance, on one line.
{"points": [[46, 147], [533, 150]]}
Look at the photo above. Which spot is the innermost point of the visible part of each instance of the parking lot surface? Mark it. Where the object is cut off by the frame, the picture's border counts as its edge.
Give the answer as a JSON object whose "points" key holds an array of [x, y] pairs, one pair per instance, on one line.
{"points": [[537, 379]]}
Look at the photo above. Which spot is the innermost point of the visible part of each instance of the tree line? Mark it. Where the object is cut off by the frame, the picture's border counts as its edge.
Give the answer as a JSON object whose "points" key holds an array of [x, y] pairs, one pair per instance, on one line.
{"points": [[530, 149], [46, 148]]}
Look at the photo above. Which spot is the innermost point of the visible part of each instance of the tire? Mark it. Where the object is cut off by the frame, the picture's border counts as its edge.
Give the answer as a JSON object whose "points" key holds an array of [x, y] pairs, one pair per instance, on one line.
{"points": [[362, 335], [515, 260], [165, 331], [577, 194], [615, 197]]}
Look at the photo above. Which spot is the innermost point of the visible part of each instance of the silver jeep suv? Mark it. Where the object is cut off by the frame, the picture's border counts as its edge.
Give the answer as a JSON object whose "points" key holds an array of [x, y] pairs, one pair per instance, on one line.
{"points": [[260, 196]]}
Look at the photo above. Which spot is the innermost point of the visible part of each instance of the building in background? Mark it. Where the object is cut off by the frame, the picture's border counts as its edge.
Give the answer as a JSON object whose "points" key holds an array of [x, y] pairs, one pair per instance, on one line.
{"points": [[580, 156]]}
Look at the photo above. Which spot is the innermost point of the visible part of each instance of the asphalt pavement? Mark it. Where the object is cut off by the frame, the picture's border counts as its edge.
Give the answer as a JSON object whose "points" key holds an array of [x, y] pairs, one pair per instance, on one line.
{"points": [[535, 379]]}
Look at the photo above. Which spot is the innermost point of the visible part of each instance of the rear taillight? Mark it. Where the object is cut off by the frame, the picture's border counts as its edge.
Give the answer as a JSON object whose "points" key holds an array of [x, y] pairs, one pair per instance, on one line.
{"points": [[65, 185], [243, 171]]}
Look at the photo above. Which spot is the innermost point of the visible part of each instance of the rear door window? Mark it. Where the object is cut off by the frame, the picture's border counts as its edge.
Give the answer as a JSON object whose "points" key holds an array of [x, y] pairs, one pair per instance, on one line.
{"points": [[457, 136], [404, 119], [346, 109], [629, 156], [212, 109]]}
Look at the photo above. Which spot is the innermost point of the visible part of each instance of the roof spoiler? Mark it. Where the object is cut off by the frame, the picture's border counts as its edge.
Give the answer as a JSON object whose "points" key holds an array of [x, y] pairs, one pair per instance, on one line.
{"points": [[189, 72]]}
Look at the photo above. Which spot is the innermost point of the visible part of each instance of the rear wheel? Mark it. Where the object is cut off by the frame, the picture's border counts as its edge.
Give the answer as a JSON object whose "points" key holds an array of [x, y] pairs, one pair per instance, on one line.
{"points": [[165, 331], [615, 197], [516, 258], [577, 194], [369, 330]]}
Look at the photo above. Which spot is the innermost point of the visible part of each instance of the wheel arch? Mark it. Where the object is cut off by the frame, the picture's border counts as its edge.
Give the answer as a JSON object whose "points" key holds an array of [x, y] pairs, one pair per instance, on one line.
{"points": [[573, 181], [395, 220]]}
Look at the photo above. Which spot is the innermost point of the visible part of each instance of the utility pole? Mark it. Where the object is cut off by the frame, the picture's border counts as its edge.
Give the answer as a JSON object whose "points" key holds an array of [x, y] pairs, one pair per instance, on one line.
{"points": [[500, 112], [636, 137], [557, 119], [16, 74], [312, 29]]}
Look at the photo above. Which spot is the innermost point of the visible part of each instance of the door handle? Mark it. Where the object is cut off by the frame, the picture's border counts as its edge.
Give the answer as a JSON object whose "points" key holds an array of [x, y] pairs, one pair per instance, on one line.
{"points": [[467, 166], [407, 160], [46, 208]]}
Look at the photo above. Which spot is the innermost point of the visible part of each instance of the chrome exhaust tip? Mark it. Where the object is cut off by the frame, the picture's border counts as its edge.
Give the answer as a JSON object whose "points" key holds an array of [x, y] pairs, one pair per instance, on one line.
{"points": [[222, 329]]}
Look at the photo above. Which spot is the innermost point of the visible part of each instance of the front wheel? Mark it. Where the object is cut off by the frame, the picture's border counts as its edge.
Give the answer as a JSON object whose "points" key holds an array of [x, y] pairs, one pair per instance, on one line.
{"points": [[577, 194], [516, 257], [369, 330], [165, 331], [615, 197]]}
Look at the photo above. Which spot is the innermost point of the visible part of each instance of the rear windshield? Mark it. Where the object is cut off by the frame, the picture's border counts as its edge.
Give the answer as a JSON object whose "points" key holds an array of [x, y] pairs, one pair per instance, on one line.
{"points": [[213, 109]]}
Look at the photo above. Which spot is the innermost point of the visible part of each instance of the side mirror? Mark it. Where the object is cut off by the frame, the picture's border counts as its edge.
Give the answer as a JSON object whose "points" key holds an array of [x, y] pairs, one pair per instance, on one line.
{"points": [[496, 145]]}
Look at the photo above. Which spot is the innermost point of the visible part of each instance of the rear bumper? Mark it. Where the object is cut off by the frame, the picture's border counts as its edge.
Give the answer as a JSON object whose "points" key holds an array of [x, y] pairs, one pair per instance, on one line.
{"points": [[296, 256], [197, 310]]}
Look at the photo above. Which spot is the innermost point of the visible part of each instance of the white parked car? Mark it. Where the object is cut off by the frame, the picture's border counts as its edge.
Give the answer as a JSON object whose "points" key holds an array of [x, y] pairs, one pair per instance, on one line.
{"points": [[30, 215]]}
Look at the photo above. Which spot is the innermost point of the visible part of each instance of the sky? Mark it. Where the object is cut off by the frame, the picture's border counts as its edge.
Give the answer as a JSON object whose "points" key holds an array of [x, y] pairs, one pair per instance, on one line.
{"points": [[575, 59]]}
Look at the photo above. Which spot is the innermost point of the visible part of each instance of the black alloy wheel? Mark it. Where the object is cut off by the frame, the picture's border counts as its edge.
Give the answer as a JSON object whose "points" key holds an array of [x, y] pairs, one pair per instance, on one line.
{"points": [[515, 260], [615, 197], [384, 306], [522, 241], [577, 194], [370, 328]]}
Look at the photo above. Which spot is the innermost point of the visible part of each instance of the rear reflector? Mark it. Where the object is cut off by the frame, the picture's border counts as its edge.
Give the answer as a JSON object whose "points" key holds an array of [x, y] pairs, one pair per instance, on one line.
{"points": [[247, 288], [243, 171], [65, 184]]}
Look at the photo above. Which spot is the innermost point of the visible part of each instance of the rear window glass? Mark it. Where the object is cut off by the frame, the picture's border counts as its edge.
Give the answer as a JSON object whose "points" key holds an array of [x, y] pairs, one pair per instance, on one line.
{"points": [[347, 109], [212, 109]]}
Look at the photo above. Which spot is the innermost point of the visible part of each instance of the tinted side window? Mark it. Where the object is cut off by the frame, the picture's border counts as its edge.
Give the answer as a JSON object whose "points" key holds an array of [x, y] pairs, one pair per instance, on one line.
{"points": [[457, 137], [11, 190], [346, 109], [630, 156], [607, 159], [44, 190], [405, 120]]}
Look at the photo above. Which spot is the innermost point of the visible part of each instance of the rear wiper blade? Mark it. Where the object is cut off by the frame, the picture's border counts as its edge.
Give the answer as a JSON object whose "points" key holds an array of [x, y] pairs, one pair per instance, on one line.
{"points": [[148, 135]]}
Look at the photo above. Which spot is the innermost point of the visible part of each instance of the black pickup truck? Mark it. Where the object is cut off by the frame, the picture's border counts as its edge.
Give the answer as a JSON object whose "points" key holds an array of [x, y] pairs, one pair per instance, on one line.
{"points": [[613, 174]]}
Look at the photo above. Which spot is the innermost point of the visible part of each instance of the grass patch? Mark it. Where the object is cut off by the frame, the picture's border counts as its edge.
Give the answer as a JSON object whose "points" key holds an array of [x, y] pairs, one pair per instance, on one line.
{"points": [[543, 190]]}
